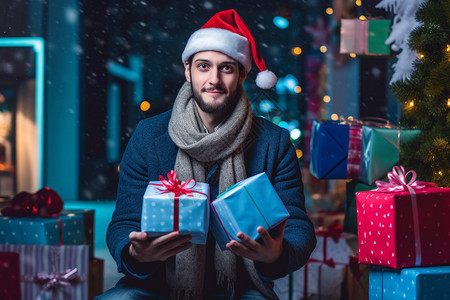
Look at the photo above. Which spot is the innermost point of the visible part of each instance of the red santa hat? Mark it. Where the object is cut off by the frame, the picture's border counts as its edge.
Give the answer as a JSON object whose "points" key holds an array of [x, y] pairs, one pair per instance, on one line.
{"points": [[227, 33]]}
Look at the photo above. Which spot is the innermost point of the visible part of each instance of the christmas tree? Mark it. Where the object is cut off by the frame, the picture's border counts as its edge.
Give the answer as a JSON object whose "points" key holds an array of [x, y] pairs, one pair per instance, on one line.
{"points": [[425, 95]]}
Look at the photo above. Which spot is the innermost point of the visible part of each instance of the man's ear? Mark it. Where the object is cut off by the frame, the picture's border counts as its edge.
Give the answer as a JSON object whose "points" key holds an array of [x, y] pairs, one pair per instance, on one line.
{"points": [[242, 76], [187, 71]]}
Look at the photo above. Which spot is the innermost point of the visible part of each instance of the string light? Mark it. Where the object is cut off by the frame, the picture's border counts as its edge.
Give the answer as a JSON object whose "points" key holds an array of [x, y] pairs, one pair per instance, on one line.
{"points": [[421, 55], [448, 102], [411, 103], [352, 55], [298, 89], [145, 105], [362, 18], [334, 117], [296, 51], [299, 153], [448, 48], [440, 173], [326, 99], [323, 49], [329, 11], [358, 2]]}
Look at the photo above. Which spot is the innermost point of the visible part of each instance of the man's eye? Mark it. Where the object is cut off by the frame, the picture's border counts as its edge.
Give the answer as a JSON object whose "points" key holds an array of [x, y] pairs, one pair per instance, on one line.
{"points": [[227, 68], [202, 66]]}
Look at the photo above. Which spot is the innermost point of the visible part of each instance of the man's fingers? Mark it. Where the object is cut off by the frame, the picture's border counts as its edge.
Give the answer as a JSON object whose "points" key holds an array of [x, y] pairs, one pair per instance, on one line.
{"points": [[138, 236]]}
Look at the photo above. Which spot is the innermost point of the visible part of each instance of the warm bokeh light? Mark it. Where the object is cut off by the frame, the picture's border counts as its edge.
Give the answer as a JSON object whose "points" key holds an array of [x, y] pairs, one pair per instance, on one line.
{"points": [[145, 105], [299, 153], [334, 117], [362, 18], [411, 103], [329, 10], [118, 168], [440, 173], [352, 55], [350, 118], [448, 48], [326, 99], [298, 89], [448, 102], [296, 51], [358, 2], [421, 55], [323, 49]]}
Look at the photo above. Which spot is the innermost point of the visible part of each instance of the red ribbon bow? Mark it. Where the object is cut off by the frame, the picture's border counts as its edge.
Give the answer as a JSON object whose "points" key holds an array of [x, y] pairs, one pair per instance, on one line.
{"points": [[173, 185], [44, 203], [334, 230]]}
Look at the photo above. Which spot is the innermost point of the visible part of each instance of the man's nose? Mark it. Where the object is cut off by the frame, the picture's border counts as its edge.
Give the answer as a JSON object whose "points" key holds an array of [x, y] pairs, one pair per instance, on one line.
{"points": [[214, 77]]}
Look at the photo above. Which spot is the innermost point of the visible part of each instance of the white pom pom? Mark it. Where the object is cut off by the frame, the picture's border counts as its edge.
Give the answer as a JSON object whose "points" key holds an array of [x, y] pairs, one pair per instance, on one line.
{"points": [[266, 80]]}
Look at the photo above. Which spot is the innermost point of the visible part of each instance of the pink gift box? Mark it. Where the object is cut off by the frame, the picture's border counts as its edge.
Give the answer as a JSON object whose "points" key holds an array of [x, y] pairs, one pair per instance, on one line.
{"points": [[398, 232]]}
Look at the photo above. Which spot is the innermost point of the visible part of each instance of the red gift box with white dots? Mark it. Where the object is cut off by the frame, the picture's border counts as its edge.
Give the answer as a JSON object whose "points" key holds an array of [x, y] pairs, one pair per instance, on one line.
{"points": [[386, 234]]}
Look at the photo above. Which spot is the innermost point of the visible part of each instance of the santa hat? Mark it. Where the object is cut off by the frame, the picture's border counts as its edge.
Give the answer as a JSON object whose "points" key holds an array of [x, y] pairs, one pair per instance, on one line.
{"points": [[227, 33]]}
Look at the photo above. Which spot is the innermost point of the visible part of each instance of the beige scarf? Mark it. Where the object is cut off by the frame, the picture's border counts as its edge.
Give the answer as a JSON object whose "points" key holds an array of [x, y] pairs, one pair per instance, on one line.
{"points": [[185, 272]]}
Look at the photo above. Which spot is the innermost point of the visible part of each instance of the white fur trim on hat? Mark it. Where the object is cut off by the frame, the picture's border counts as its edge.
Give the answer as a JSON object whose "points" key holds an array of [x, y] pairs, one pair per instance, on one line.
{"points": [[266, 79], [221, 40]]}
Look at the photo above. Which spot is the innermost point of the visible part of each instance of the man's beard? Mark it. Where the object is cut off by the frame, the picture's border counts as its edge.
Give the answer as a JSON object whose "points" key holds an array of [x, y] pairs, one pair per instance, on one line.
{"points": [[224, 108]]}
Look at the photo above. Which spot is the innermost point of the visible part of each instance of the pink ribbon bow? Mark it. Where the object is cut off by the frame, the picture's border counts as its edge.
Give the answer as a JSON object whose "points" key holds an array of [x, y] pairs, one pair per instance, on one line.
{"points": [[398, 182], [53, 281]]}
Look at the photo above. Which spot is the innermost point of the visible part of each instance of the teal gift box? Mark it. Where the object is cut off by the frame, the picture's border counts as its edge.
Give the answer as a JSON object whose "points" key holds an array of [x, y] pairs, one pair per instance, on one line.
{"points": [[61, 229], [161, 215], [380, 151], [245, 206], [351, 188], [410, 283]]}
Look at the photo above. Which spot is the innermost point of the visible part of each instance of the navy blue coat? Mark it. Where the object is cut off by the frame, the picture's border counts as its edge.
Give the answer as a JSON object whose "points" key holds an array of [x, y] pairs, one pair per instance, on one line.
{"points": [[151, 152]]}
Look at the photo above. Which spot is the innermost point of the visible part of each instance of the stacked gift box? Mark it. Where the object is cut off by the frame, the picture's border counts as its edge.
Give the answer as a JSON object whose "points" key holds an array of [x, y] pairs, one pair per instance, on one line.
{"points": [[55, 248], [404, 235], [325, 274]]}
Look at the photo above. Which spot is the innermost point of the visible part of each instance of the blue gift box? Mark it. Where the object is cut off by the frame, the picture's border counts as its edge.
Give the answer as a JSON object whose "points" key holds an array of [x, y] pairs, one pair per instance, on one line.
{"points": [[329, 150], [42, 231], [243, 207], [193, 212], [410, 283]]}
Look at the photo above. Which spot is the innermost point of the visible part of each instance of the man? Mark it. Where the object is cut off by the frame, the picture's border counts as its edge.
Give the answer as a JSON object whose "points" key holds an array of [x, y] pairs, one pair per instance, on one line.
{"points": [[209, 135]]}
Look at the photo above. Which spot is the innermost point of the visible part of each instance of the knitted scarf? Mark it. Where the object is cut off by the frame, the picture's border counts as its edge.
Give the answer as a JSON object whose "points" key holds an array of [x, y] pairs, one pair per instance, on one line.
{"points": [[185, 272]]}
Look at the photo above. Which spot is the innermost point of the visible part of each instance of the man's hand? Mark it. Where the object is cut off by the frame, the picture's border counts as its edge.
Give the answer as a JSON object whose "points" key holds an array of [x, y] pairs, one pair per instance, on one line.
{"points": [[145, 249], [267, 251]]}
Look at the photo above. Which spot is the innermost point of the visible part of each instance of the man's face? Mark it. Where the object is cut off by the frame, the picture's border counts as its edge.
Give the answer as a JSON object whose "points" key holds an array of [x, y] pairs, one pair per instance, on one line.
{"points": [[215, 79]]}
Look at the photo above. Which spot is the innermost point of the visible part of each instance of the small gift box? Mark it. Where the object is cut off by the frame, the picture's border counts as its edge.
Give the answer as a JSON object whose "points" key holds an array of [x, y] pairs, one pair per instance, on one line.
{"points": [[404, 224], [316, 280], [380, 151], [410, 283], [333, 244], [365, 36], [245, 206], [171, 205], [324, 273], [9, 276], [329, 150], [52, 272], [88, 221], [59, 230]]}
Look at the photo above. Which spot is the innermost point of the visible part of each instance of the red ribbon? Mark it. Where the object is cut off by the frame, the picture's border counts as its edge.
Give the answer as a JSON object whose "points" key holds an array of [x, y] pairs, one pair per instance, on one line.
{"points": [[173, 185], [44, 203]]}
